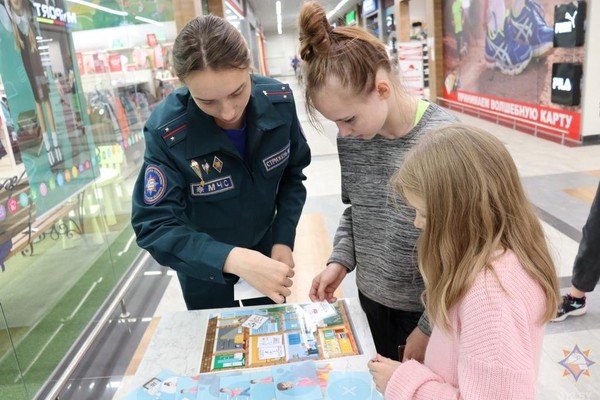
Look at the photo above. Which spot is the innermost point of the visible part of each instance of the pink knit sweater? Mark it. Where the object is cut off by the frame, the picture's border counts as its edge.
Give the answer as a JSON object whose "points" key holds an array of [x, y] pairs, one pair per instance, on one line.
{"points": [[493, 349]]}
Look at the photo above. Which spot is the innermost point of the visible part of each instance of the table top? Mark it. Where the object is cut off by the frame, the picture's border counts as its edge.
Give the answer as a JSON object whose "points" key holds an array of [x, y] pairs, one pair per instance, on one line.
{"points": [[178, 345]]}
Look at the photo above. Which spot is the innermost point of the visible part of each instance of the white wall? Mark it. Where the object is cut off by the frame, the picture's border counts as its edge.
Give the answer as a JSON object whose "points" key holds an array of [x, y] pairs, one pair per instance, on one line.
{"points": [[280, 50], [416, 11], [590, 113]]}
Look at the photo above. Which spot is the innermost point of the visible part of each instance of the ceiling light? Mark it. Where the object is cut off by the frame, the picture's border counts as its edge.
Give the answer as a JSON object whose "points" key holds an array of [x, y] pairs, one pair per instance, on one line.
{"points": [[336, 9], [278, 13]]}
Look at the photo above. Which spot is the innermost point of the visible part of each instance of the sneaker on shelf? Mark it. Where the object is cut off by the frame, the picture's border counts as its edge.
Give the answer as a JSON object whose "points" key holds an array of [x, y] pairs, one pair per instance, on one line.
{"points": [[571, 306], [509, 55], [530, 27]]}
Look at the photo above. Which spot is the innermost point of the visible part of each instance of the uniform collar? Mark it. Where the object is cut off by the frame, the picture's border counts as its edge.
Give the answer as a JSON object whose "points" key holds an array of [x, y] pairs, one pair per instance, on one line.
{"points": [[205, 136], [262, 108]]}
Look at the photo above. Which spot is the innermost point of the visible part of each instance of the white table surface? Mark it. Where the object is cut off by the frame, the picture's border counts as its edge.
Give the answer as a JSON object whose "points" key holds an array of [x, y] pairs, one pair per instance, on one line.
{"points": [[178, 344]]}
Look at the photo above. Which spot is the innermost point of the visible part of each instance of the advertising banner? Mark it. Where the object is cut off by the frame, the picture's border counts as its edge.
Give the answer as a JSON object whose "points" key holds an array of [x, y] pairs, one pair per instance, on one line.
{"points": [[37, 69], [410, 63], [116, 13], [499, 56]]}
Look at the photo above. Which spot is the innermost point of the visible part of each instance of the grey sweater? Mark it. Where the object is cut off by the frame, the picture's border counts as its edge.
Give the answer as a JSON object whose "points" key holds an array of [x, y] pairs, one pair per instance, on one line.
{"points": [[376, 234]]}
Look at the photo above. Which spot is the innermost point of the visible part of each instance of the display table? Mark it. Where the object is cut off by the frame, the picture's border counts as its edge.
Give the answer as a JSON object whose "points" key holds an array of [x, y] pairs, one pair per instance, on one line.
{"points": [[178, 344]]}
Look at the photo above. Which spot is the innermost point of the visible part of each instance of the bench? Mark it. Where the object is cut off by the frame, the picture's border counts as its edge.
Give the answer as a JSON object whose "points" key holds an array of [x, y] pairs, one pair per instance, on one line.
{"points": [[49, 224]]}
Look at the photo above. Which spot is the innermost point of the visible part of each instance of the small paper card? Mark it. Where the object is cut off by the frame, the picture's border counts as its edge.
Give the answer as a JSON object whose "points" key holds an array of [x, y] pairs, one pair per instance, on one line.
{"points": [[320, 310], [255, 321], [242, 290]]}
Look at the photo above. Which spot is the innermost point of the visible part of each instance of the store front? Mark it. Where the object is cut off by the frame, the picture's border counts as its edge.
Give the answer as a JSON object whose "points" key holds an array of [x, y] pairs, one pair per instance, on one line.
{"points": [[77, 81]]}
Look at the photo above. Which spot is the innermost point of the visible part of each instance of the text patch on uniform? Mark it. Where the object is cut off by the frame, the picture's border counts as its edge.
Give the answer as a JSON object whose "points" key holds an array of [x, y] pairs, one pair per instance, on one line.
{"points": [[212, 187], [155, 184], [275, 160]]}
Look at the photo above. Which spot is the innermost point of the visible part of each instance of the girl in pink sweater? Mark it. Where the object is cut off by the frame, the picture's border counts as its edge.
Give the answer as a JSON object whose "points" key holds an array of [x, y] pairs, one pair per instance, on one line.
{"points": [[490, 283]]}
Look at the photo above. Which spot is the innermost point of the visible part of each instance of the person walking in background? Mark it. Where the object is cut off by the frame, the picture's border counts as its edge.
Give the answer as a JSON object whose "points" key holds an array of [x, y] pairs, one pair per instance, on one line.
{"points": [[490, 282], [297, 68], [221, 188], [586, 268], [349, 79]]}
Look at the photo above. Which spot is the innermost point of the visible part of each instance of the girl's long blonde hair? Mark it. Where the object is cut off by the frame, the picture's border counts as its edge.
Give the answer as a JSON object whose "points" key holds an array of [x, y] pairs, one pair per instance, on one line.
{"points": [[475, 204]]}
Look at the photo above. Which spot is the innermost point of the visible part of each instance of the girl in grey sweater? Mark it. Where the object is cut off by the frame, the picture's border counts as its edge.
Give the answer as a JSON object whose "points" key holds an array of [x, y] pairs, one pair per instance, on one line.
{"points": [[349, 79]]}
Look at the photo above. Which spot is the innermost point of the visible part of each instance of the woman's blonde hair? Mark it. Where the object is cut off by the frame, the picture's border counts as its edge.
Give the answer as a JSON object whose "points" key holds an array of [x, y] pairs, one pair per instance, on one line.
{"points": [[475, 204], [349, 53]]}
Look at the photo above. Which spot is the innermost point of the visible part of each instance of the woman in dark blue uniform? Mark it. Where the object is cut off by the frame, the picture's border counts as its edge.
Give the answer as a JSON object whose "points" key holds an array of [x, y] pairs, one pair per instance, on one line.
{"points": [[220, 192]]}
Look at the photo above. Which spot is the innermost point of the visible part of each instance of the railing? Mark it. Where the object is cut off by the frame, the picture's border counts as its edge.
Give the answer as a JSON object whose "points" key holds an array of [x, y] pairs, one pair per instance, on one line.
{"points": [[516, 122]]}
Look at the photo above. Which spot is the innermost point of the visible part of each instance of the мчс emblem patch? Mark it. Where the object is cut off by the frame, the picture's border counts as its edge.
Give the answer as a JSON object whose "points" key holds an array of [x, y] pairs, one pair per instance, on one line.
{"points": [[212, 187], [155, 184]]}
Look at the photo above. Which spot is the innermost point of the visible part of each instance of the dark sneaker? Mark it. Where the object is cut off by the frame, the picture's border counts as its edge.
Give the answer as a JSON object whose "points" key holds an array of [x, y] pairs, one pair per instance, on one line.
{"points": [[571, 306], [530, 27]]}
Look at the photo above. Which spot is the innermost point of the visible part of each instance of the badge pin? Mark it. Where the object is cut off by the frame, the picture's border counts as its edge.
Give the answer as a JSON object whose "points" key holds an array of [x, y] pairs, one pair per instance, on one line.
{"points": [[217, 164], [205, 166], [196, 167]]}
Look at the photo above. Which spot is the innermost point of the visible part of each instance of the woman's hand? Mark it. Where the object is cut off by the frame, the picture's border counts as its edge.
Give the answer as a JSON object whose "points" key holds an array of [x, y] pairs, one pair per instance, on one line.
{"points": [[382, 369], [283, 253], [270, 277], [324, 284]]}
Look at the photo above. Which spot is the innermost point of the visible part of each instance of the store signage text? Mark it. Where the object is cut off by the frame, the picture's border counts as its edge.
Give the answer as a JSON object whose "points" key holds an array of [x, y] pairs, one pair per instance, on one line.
{"points": [[552, 117], [563, 84], [55, 13], [566, 26]]}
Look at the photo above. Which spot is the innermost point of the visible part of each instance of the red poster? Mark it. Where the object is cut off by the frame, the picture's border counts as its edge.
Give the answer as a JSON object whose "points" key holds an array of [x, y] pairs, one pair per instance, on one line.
{"points": [[151, 39], [114, 63], [492, 63]]}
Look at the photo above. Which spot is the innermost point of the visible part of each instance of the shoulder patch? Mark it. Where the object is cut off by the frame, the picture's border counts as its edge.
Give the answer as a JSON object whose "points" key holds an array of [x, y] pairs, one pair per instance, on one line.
{"points": [[174, 131], [155, 184], [278, 93], [276, 159]]}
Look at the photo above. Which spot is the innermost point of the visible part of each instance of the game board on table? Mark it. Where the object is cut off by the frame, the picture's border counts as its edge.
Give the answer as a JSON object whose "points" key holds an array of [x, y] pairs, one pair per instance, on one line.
{"points": [[278, 335]]}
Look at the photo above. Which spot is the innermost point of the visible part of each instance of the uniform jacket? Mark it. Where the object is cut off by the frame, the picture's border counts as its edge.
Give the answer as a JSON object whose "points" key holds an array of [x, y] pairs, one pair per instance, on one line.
{"points": [[191, 220]]}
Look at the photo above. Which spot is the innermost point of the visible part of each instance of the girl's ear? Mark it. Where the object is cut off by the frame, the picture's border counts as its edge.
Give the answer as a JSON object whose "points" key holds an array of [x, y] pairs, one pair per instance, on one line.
{"points": [[384, 90]]}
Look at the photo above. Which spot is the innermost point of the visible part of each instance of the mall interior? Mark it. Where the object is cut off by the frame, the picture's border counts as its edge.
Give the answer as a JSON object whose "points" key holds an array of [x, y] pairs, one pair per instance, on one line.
{"points": [[87, 314]]}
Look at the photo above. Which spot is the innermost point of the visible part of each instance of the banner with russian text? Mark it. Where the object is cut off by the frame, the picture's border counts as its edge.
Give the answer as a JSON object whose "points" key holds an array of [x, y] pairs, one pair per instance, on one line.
{"points": [[499, 57], [558, 122]]}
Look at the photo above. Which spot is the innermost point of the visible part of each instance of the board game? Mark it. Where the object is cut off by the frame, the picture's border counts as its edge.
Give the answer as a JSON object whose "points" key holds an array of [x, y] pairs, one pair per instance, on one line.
{"points": [[278, 334]]}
